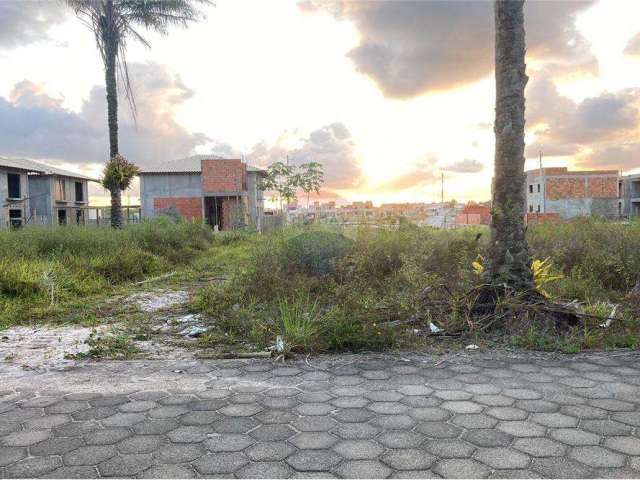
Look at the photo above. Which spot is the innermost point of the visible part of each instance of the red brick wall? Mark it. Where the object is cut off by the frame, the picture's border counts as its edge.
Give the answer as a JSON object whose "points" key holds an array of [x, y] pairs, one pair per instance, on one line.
{"points": [[577, 187], [223, 176], [533, 218], [187, 207], [557, 188], [469, 219], [603, 187]]}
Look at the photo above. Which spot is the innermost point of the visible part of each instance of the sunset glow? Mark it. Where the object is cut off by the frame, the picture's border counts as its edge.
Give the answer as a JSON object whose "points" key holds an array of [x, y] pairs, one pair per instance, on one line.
{"points": [[263, 79]]}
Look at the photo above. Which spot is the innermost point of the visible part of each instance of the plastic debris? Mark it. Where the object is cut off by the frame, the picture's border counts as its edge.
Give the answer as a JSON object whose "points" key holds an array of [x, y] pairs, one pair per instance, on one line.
{"points": [[472, 346], [610, 318], [434, 328], [194, 331]]}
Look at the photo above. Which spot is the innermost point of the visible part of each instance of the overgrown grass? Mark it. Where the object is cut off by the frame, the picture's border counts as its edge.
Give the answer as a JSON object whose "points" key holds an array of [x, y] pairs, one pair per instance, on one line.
{"points": [[45, 270], [359, 285], [323, 288]]}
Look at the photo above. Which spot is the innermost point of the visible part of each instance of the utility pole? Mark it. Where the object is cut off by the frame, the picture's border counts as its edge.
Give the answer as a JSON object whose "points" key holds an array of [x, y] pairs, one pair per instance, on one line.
{"points": [[444, 213], [543, 182]]}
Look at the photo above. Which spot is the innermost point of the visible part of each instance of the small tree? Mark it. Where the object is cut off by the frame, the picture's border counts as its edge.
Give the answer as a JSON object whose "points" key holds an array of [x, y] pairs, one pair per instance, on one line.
{"points": [[310, 178], [281, 178], [116, 177]]}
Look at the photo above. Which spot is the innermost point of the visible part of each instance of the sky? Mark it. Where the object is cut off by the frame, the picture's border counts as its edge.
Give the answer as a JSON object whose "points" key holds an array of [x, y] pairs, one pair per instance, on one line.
{"points": [[387, 95]]}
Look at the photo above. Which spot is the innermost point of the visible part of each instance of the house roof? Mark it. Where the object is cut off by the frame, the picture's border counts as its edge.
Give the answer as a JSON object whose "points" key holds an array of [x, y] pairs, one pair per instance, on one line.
{"points": [[41, 168], [191, 164]]}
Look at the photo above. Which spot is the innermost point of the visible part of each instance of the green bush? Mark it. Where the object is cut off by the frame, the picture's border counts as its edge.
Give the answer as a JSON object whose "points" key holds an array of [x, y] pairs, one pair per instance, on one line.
{"points": [[315, 252], [600, 259]]}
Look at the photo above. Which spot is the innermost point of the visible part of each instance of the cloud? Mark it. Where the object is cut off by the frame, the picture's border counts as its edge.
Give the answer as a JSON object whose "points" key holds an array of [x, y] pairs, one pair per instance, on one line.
{"points": [[468, 165], [633, 47], [412, 47], [599, 131], [330, 145], [34, 124], [412, 179], [28, 21], [619, 157], [563, 127]]}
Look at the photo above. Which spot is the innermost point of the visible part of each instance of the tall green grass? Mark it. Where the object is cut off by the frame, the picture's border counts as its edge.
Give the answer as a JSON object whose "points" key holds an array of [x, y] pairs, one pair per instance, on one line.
{"points": [[80, 261]]}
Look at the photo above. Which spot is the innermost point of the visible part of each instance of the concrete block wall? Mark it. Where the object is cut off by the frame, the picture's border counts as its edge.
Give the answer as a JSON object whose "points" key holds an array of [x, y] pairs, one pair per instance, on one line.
{"points": [[168, 185], [4, 194], [40, 190]]}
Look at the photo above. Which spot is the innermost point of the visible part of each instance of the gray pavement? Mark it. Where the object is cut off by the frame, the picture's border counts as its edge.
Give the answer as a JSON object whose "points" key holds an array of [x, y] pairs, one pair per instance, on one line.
{"points": [[477, 414]]}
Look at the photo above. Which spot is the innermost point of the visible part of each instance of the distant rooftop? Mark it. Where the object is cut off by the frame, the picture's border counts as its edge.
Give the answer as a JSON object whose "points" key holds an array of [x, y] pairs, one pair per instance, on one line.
{"points": [[565, 171], [191, 164], [41, 168]]}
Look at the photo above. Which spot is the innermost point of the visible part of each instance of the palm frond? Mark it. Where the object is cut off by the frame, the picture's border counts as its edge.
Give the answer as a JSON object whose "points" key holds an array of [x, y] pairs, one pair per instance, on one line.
{"points": [[113, 23]]}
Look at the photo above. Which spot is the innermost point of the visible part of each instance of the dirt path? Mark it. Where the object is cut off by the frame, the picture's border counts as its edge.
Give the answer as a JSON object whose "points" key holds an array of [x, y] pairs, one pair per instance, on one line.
{"points": [[44, 347]]}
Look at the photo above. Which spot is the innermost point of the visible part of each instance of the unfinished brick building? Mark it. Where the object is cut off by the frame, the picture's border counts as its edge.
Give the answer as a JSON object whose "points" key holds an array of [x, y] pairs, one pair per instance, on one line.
{"points": [[221, 191], [558, 193]]}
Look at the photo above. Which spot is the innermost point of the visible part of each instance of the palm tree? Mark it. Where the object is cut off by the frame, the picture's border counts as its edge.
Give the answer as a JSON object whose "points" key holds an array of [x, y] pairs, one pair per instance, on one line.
{"points": [[114, 22], [509, 258]]}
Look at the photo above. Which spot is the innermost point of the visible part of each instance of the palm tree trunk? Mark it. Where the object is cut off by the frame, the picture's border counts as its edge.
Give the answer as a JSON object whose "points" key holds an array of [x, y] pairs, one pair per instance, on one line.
{"points": [[509, 258], [116, 208], [110, 42]]}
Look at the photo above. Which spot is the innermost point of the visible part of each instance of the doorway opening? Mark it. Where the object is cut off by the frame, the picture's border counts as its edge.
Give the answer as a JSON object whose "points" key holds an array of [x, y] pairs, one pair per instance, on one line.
{"points": [[213, 212], [62, 217]]}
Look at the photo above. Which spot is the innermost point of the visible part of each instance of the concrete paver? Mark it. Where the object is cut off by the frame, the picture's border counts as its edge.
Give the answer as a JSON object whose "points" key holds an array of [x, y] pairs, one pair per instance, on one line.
{"points": [[479, 415]]}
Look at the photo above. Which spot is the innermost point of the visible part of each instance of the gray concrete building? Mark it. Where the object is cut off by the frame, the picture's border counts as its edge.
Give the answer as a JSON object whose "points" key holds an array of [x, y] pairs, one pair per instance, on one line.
{"points": [[33, 193], [221, 191], [559, 193], [14, 192], [630, 188]]}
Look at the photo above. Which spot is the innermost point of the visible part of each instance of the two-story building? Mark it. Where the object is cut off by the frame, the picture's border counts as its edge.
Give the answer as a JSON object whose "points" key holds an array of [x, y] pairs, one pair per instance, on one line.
{"points": [[630, 191], [221, 191], [14, 192], [559, 193], [38, 194]]}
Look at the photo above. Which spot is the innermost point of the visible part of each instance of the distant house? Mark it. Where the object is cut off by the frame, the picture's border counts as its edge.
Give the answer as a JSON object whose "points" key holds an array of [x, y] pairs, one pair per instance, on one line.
{"points": [[559, 193], [221, 191], [474, 214], [35, 193]]}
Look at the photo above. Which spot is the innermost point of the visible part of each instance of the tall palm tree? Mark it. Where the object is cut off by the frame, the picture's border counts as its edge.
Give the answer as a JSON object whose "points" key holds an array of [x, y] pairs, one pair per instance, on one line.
{"points": [[509, 258], [113, 23]]}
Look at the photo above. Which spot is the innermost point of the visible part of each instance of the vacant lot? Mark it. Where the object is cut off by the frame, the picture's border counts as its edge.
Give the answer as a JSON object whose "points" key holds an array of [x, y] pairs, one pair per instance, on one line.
{"points": [[368, 289], [319, 289]]}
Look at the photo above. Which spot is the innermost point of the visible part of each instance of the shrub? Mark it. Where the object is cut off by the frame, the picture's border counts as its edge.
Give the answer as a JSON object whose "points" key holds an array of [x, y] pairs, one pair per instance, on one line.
{"points": [[315, 252], [605, 256]]}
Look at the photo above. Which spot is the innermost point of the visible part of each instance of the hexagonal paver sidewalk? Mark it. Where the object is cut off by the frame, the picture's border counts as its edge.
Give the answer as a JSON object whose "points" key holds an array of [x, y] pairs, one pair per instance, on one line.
{"points": [[474, 414]]}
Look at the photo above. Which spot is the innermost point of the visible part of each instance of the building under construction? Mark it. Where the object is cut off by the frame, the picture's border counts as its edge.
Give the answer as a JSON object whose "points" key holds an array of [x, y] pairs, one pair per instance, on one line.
{"points": [[221, 191]]}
